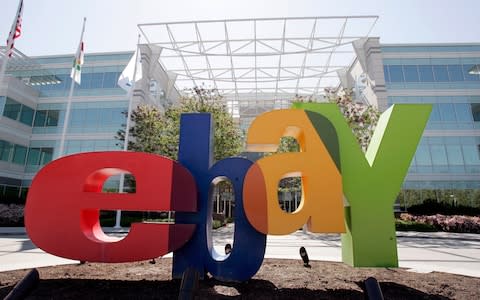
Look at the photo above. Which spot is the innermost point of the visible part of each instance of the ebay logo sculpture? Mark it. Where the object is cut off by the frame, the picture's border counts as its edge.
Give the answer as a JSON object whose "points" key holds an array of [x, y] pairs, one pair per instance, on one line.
{"points": [[344, 191]]}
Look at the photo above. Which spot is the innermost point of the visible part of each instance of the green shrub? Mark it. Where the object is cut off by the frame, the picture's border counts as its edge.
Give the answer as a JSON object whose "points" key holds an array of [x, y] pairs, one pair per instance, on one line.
{"points": [[466, 224], [432, 207], [216, 224], [404, 225]]}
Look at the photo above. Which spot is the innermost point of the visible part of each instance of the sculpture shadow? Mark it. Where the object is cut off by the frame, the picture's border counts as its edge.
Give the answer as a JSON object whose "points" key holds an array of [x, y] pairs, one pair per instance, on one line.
{"points": [[208, 289], [393, 290], [264, 289], [101, 289]]}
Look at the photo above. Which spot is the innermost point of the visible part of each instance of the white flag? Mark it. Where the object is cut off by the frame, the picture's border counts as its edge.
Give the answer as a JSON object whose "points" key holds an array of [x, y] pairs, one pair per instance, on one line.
{"points": [[125, 81], [76, 73]]}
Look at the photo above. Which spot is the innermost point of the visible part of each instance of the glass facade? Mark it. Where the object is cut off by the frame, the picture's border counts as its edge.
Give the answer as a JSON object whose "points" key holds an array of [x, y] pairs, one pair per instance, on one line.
{"points": [[97, 114], [449, 154], [61, 87], [446, 166], [12, 153], [18, 112], [429, 73], [448, 112], [97, 117]]}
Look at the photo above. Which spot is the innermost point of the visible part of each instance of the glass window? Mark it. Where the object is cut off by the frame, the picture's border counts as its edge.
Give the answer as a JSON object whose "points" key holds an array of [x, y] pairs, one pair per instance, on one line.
{"points": [[46, 155], [435, 115], [12, 109], [464, 114], [23, 193], [434, 140], [5, 148], [26, 116], [33, 158], [447, 112], [411, 73], [385, 72], [77, 117], [470, 154], [452, 140], [476, 111], [97, 81], [110, 80], [119, 116], [439, 157], [52, 118], [60, 86], [396, 73], [468, 76], [426, 73], [73, 147], [441, 73], [86, 81], [40, 117], [12, 191], [422, 156], [455, 72], [454, 153], [93, 116], [19, 154]]}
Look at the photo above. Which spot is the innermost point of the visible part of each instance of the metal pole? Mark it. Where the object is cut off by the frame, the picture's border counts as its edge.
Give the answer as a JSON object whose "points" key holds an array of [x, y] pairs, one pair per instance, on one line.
{"points": [[69, 103], [118, 216]]}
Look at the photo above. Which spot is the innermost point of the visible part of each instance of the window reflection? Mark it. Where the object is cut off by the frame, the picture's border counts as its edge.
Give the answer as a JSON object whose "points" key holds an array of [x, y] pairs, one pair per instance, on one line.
{"points": [[429, 73], [441, 73], [411, 73], [18, 112]]}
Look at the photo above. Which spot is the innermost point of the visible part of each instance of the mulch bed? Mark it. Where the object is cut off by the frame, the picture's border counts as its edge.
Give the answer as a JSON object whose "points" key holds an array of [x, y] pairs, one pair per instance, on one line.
{"points": [[277, 279]]}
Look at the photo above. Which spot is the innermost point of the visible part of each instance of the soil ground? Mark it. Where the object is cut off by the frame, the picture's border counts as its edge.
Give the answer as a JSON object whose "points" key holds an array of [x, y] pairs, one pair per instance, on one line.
{"points": [[277, 279]]}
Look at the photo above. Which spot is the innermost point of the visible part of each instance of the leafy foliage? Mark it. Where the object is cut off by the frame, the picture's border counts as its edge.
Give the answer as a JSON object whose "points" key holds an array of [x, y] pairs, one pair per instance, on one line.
{"points": [[361, 118], [432, 207], [455, 223], [409, 225], [155, 132]]}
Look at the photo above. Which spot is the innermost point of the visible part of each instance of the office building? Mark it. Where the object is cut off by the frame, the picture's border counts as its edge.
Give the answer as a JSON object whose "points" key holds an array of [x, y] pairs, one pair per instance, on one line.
{"points": [[446, 166], [33, 97], [259, 65]]}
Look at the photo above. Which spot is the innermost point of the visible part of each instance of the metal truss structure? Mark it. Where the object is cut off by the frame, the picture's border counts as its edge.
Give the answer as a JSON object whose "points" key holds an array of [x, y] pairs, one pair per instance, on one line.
{"points": [[27, 68], [259, 64]]}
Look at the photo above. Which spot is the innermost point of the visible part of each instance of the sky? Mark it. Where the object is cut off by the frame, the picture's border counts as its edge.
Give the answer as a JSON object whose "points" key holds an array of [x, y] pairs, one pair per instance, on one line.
{"points": [[53, 26]]}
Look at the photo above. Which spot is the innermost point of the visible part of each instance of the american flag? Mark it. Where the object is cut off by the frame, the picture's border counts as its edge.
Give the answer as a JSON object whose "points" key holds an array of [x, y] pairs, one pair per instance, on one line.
{"points": [[16, 30]]}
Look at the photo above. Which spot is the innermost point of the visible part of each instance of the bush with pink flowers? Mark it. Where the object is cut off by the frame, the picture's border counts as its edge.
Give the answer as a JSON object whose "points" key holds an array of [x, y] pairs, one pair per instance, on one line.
{"points": [[456, 223]]}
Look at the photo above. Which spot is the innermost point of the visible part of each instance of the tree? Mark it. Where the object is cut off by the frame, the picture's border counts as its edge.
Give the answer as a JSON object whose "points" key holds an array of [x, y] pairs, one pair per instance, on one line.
{"points": [[155, 132], [361, 118]]}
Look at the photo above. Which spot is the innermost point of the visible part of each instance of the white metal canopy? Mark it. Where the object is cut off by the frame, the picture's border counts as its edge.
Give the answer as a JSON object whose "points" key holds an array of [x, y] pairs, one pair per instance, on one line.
{"points": [[259, 64], [19, 63]]}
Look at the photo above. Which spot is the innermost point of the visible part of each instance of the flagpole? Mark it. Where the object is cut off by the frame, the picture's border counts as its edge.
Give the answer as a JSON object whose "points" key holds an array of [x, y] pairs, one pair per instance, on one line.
{"points": [[10, 40], [69, 101], [127, 130]]}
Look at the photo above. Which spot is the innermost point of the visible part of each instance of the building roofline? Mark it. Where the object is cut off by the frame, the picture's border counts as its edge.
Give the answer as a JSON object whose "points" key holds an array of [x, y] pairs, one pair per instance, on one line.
{"points": [[259, 19], [86, 54], [427, 44]]}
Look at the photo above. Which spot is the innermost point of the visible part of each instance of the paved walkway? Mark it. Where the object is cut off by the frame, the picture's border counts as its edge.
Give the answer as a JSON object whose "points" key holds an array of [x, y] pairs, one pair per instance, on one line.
{"points": [[421, 252]]}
